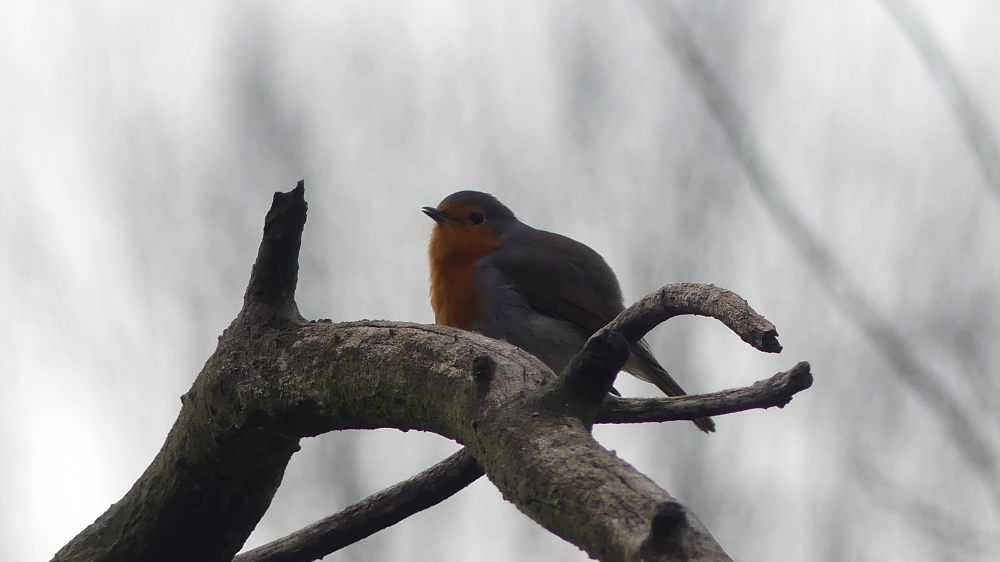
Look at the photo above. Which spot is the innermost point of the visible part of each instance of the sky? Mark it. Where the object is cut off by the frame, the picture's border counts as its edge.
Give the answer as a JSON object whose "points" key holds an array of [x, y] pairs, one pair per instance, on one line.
{"points": [[829, 161]]}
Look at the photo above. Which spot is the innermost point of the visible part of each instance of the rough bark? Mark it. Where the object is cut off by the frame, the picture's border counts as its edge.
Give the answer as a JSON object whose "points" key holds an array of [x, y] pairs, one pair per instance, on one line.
{"points": [[451, 475], [276, 378], [776, 391]]}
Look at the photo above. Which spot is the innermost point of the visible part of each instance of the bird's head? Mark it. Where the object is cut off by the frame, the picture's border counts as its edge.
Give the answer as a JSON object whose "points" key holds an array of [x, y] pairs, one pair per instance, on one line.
{"points": [[470, 224]]}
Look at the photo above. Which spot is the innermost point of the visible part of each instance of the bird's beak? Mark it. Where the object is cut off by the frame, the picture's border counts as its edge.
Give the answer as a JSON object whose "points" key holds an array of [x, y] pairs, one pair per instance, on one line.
{"points": [[438, 215]]}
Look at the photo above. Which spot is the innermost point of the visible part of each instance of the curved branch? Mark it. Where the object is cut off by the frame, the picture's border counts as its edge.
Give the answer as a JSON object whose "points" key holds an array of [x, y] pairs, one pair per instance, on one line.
{"points": [[698, 299], [275, 378], [393, 504]]}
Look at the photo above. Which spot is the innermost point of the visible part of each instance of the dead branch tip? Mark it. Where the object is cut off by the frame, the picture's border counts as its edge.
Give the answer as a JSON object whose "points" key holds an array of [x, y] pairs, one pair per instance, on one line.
{"points": [[270, 294]]}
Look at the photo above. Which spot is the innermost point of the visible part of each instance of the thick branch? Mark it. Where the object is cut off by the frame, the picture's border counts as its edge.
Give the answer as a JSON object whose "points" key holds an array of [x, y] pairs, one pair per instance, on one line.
{"points": [[216, 473], [571, 485], [444, 479], [274, 379]]}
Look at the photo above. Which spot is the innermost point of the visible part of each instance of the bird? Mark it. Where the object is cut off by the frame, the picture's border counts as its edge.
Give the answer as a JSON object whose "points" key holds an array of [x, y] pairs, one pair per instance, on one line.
{"points": [[540, 291]]}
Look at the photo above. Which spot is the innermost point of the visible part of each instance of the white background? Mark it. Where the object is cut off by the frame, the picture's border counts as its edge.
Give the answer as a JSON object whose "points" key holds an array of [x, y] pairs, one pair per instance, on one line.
{"points": [[140, 143]]}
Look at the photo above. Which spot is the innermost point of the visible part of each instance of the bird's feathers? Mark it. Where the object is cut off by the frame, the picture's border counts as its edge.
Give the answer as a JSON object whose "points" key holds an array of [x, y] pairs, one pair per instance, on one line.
{"points": [[562, 278], [541, 291], [577, 286]]}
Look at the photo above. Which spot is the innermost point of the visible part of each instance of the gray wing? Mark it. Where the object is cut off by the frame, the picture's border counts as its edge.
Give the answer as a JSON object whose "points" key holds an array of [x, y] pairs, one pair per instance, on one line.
{"points": [[562, 278]]}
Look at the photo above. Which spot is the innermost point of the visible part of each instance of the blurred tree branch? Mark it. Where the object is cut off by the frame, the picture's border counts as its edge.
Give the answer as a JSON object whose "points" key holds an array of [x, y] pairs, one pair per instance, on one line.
{"points": [[928, 519], [276, 378], [851, 299], [969, 116]]}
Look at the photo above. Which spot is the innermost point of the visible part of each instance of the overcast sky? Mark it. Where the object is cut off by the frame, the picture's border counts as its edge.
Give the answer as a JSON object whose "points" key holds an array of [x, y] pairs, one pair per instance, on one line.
{"points": [[829, 161]]}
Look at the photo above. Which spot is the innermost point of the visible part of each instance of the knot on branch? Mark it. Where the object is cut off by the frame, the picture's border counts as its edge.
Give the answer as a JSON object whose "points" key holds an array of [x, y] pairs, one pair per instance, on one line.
{"points": [[483, 367], [666, 532]]}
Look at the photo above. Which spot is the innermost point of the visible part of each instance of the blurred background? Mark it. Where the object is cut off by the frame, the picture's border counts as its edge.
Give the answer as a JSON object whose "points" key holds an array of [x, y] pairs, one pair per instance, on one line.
{"points": [[833, 162]]}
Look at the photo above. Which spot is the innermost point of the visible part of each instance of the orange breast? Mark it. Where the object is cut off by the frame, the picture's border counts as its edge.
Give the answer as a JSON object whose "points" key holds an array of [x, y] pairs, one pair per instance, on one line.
{"points": [[454, 296], [454, 250]]}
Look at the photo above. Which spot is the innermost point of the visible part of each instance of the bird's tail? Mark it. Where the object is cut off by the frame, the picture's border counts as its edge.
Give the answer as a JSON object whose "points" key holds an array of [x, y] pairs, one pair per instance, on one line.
{"points": [[643, 365]]}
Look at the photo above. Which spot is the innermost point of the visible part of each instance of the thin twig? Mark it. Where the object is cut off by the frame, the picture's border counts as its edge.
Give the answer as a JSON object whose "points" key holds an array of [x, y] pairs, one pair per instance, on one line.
{"points": [[775, 391], [372, 514]]}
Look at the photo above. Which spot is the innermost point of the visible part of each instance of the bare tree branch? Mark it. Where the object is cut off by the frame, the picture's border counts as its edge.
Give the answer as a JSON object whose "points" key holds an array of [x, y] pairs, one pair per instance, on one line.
{"points": [[973, 445], [393, 504], [372, 514], [701, 300], [276, 378], [775, 391]]}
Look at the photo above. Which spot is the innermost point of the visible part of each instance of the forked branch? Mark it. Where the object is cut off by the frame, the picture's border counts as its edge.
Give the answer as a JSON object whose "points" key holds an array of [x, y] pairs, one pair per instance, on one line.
{"points": [[441, 481], [276, 378]]}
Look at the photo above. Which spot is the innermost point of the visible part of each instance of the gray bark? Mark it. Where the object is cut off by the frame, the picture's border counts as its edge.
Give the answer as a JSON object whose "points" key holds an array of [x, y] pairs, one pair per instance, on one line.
{"points": [[276, 378]]}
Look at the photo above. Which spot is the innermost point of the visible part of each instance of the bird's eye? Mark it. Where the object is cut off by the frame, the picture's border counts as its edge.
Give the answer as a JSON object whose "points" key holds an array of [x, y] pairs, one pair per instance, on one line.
{"points": [[477, 218]]}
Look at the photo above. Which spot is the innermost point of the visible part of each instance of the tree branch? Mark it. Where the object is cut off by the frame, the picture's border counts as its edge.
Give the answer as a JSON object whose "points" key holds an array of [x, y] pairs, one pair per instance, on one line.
{"points": [[700, 300], [372, 514], [270, 295], [436, 484], [775, 391], [275, 378]]}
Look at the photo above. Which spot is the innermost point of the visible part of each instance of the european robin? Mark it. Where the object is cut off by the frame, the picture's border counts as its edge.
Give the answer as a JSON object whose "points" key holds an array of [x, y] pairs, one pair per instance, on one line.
{"points": [[541, 291]]}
